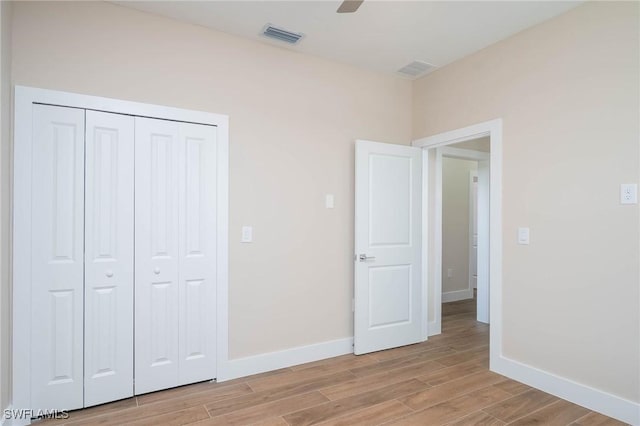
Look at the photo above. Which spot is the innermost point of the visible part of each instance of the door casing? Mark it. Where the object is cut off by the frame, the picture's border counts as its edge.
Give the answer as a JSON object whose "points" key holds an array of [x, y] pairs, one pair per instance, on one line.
{"points": [[473, 211]]}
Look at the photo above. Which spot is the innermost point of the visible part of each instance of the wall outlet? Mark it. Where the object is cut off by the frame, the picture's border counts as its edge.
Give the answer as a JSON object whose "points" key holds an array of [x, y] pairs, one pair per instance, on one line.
{"points": [[628, 193]]}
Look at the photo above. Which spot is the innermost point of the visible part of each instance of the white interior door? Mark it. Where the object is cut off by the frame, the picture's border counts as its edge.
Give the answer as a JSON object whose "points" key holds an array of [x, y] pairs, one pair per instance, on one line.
{"points": [[157, 155], [483, 241], [57, 258], [108, 343], [175, 180], [197, 265], [388, 243]]}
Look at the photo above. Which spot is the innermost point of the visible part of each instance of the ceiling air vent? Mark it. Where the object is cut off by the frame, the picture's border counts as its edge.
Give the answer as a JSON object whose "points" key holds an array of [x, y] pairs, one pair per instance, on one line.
{"points": [[415, 69], [281, 34]]}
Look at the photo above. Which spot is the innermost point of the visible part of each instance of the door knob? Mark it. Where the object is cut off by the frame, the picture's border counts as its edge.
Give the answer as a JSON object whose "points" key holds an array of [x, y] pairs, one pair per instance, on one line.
{"points": [[364, 257], [109, 273], [156, 271]]}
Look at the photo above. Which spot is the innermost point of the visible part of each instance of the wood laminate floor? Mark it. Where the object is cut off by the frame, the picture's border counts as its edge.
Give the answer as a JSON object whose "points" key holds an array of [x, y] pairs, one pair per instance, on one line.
{"points": [[444, 381]]}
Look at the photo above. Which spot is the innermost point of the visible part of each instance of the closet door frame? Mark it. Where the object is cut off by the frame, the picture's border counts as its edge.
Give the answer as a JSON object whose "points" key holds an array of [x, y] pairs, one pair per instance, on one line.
{"points": [[25, 98]]}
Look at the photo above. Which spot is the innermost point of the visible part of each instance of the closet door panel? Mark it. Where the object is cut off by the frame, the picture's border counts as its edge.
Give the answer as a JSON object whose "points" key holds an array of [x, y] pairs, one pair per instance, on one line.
{"points": [[197, 252], [57, 258], [108, 257], [157, 254]]}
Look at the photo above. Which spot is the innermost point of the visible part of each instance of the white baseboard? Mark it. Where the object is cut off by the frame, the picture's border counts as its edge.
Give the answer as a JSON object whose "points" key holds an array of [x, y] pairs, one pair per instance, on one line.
{"points": [[454, 296], [593, 399], [242, 367]]}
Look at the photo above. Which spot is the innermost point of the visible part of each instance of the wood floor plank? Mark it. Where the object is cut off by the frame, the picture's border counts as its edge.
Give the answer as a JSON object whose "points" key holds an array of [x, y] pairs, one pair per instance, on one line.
{"points": [[449, 330], [479, 418], [273, 409], [274, 421], [342, 362], [447, 374], [110, 408], [513, 387], [258, 398], [458, 357], [374, 415], [305, 374], [163, 407], [520, 405], [452, 389], [340, 407], [190, 390], [174, 418], [462, 323], [402, 362], [455, 408], [479, 340], [559, 413], [597, 419], [455, 308], [458, 336], [363, 384], [472, 341], [404, 351], [471, 344]]}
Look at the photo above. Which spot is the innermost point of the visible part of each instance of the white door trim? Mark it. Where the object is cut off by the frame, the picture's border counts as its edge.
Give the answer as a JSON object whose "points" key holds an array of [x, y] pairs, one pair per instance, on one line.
{"points": [[493, 129], [464, 154], [484, 258], [25, 97], [473, 201]]}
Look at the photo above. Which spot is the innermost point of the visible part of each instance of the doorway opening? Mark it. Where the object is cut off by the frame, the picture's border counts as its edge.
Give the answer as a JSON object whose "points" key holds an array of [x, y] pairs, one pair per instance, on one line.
{"points": [[465, 227], [480, 143], [464, 245]]}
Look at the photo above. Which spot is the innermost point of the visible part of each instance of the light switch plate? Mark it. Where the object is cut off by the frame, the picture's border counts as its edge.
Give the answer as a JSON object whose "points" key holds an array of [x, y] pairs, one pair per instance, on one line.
{"points": [[523, 236], [328, 201], [629, 193], [247, 234]]}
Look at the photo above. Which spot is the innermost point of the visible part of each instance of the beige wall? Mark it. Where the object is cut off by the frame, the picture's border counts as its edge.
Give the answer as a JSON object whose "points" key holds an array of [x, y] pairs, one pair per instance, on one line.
{"points": [[567, 91], [5, 143], [293, 120], [455, 223]]}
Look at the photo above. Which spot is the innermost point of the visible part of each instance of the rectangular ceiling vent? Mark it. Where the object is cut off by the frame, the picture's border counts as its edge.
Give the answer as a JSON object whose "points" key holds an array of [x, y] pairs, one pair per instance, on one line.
{"points": [[281, 34], [415, 69]]}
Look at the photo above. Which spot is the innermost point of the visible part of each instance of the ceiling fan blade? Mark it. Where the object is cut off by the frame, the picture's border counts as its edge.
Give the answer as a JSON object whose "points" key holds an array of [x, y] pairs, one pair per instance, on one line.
{"points": [[349, 6]]}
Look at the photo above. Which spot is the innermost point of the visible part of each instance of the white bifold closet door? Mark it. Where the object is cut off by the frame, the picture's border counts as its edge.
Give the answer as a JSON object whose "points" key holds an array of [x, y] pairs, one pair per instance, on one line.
{"points": [[82, 258], [175, 251], [57, 206], [108, 286]]}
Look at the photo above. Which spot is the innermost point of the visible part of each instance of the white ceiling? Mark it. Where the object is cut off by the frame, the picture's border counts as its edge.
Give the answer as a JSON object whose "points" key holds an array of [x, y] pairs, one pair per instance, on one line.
{"points": [[382, 35]]}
